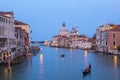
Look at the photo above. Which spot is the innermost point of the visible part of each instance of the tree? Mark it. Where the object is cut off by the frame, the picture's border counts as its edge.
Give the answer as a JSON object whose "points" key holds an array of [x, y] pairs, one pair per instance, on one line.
{"points": [[94, 36], [118, 48]]}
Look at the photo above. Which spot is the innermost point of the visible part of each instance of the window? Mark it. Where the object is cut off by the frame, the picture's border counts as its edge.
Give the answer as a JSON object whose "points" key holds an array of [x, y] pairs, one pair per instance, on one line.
{"points": [[3, 19], [113, 43], [6, 20], [106, 42], [100, 42], [0, 19], [113, 35], [2, 30], [9, 21], [16, 35]]}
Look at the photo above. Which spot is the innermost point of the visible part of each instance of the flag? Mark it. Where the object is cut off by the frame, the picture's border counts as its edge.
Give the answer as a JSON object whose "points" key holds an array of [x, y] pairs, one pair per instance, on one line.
{"points": [[31, 31]]}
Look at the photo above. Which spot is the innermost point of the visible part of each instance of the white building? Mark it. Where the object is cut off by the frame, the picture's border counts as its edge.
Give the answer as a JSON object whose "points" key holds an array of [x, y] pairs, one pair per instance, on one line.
{"points": [[46, 43], [71, 40], [102, 37], [81, 44], [7, 35], [74, 32], [60, 39], [54, 41], [63, 31]]}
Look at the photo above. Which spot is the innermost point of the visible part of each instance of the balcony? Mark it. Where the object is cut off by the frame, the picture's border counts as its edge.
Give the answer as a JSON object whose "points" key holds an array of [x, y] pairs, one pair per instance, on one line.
{"points": [[3, 36], [3, 46]]}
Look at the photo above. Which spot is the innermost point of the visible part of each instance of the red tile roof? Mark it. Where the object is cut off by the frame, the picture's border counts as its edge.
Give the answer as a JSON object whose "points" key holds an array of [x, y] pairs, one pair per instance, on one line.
{"points": [[3, 13], [19, 23]]}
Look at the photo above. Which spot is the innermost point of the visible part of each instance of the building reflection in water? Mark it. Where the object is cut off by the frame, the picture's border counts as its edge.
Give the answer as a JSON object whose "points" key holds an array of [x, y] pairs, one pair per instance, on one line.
{"points": [[41, 67], [71, 55], [115, 63], [28, 60], [7, 73], [85, 53], [86, 56], [115, 60], [56, 49], [41, 58], [70, 50]]}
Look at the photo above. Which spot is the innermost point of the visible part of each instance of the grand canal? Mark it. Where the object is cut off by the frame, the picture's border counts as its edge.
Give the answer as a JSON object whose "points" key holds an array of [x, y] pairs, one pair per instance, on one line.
{"points": [[48, 65]]}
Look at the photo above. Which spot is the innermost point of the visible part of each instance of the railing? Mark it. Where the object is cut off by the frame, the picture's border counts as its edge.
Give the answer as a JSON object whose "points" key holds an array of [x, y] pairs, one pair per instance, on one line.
{"points": [[2, 45]]}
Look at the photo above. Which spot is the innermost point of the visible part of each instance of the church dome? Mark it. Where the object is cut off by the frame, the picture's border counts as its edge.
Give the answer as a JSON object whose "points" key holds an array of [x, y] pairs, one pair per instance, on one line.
{"points": [[63, 30]]}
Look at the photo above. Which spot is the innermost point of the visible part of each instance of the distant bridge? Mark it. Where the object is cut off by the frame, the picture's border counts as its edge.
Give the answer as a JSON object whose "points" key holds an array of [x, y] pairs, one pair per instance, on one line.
{"points": [[39, 43]]}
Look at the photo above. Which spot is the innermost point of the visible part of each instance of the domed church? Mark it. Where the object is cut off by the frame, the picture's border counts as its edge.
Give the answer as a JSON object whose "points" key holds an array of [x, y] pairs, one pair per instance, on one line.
{"points": [[63, 31]]}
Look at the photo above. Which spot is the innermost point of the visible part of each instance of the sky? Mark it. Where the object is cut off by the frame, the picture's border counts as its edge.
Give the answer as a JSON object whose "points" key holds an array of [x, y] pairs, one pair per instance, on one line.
{"points": [[45, 17]]}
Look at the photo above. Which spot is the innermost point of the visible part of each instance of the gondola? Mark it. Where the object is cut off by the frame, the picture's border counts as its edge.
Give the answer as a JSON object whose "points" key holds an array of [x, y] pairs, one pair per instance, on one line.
{"points": [[87, 70], [62, 55]]}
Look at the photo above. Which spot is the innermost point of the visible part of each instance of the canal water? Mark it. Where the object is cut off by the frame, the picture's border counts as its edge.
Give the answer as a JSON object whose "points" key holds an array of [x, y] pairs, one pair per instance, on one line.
{"points": [[48, 65]]}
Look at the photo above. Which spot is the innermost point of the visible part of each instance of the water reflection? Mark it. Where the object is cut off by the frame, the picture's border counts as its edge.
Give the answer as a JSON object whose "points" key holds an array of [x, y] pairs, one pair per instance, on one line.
{"points": [[7, 73], [41, 67], [115, 59], [71, 55], [45, 67], [41, 58], [70, 50], [28, 60], [86, 57], [85, 53], [56, 49]]}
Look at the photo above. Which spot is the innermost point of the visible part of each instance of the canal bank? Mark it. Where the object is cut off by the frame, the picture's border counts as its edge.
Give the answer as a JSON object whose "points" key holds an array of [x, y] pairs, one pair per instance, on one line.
{"points": [[33, 50]]}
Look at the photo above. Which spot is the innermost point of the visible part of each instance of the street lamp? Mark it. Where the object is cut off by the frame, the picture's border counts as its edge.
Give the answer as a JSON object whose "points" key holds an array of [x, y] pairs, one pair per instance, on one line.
{"points": [[115, 46]]}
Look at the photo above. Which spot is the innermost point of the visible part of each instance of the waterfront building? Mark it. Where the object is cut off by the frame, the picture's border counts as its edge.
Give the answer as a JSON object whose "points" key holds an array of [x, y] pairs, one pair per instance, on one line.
{"points": [[106, 27], [22, 35], [73, 37], [107, 40], [93, 41], [63, 35], [113, 40], [14, 37], [55, 41], [20, 50], [101, 35], [46, 43], [70, 39], [63, 30], [7, 36], [25, 27], [74, 31], [80, 42], [60, 40]]}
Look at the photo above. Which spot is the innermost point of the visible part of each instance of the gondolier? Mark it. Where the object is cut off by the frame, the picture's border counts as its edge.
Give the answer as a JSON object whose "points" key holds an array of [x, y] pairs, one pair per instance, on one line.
{"points": [[87, 70]]}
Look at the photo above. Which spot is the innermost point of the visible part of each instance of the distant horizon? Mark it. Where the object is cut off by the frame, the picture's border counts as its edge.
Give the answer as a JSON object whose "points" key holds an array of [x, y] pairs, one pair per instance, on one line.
{"points": [[46, 17]]}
